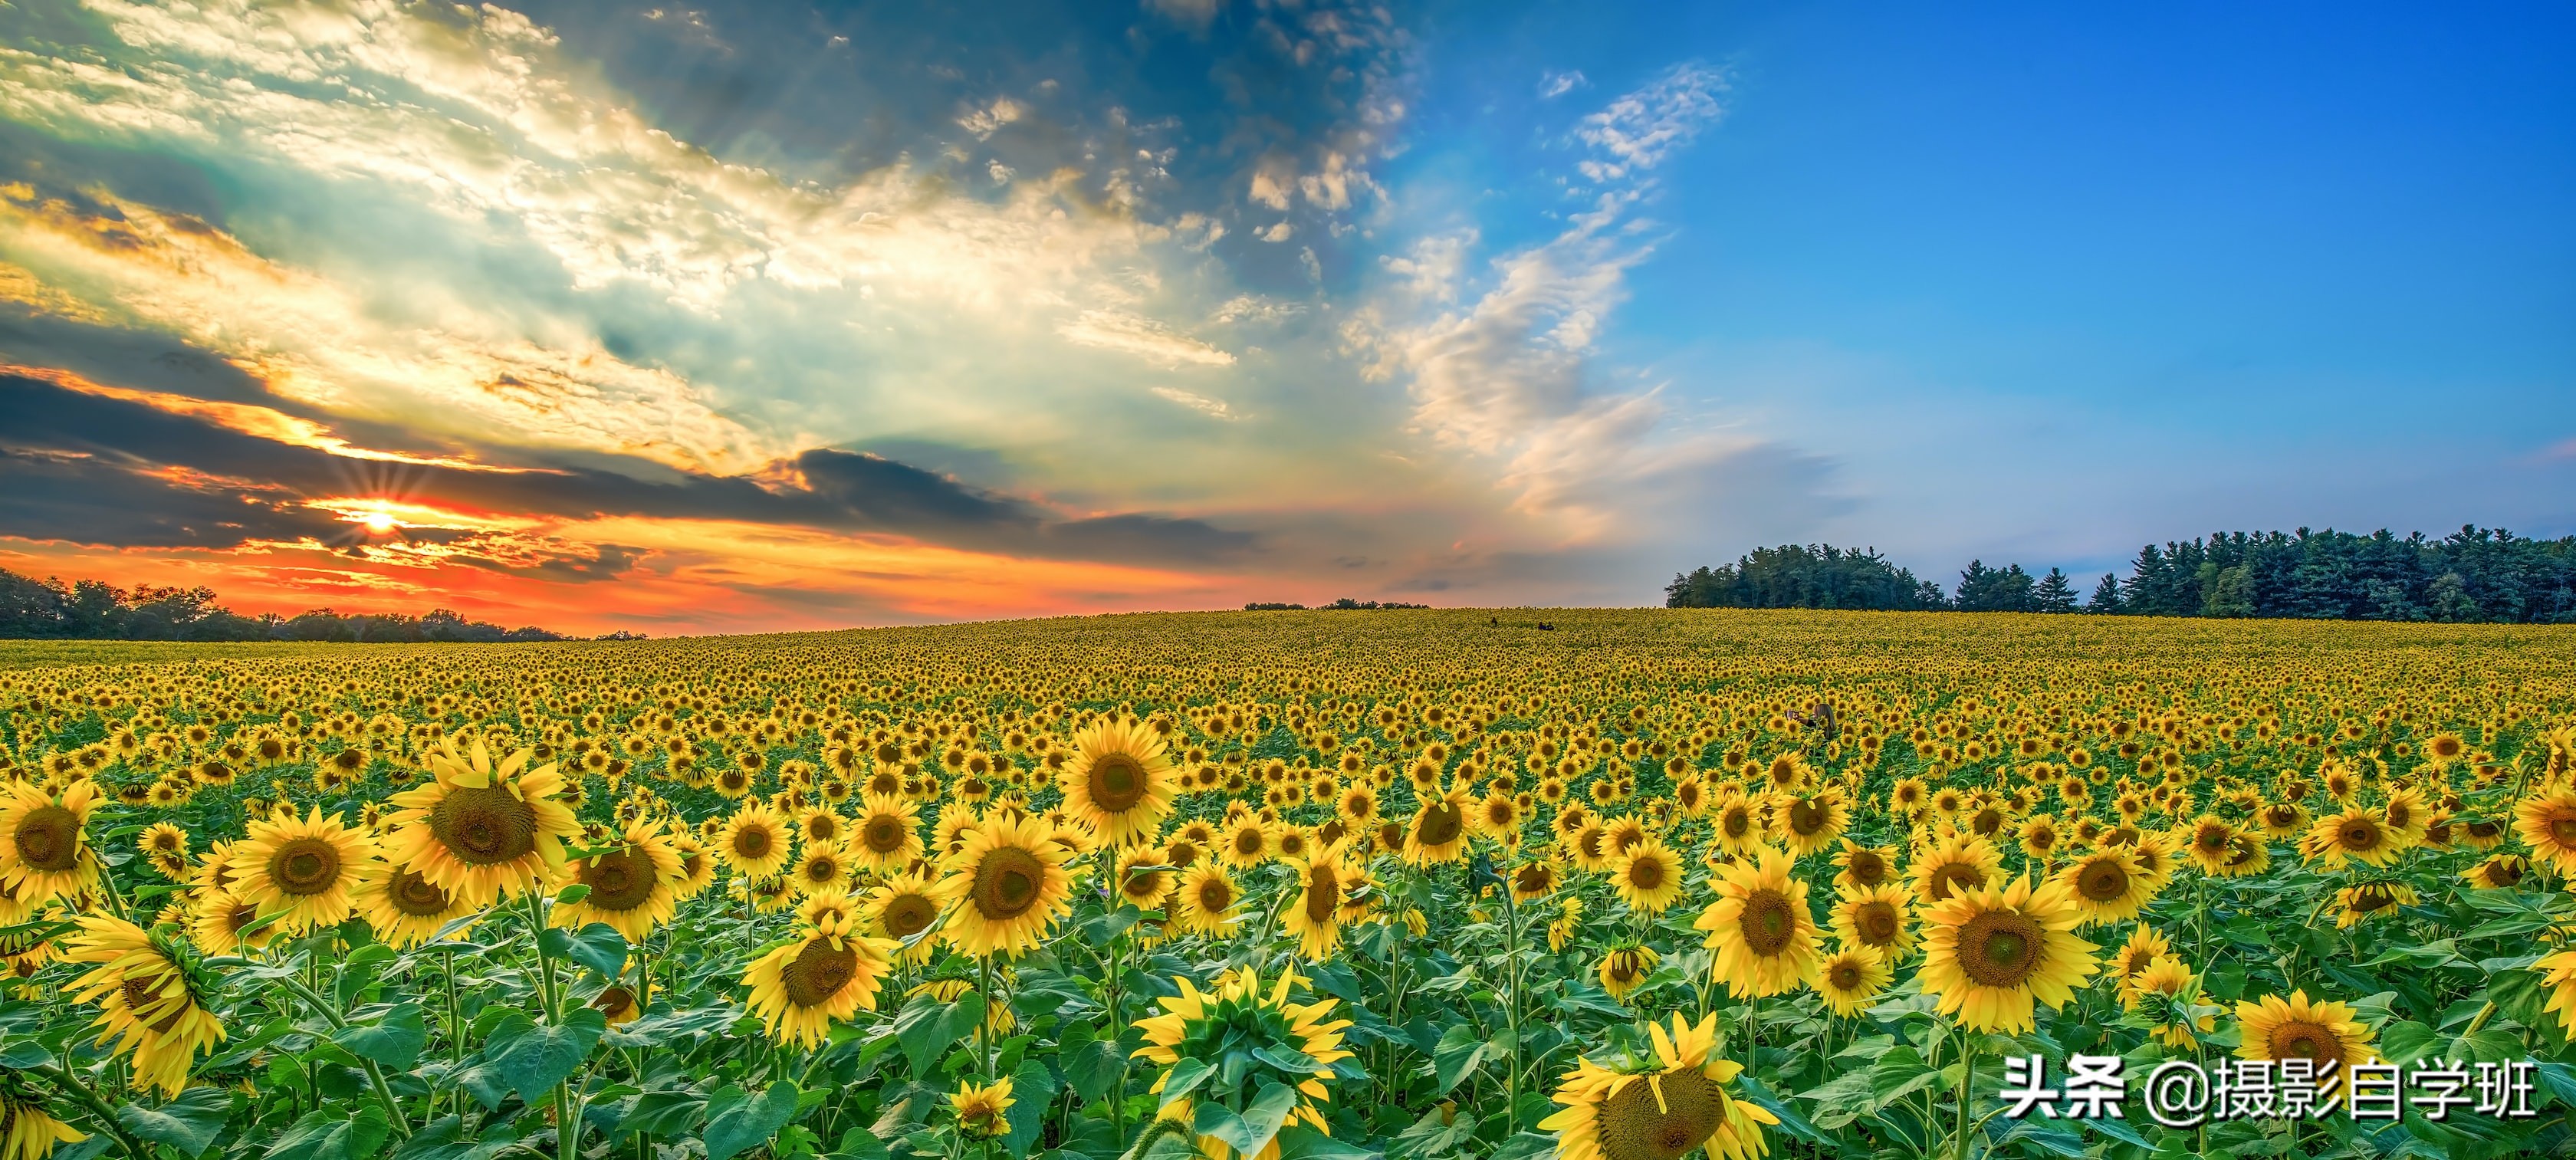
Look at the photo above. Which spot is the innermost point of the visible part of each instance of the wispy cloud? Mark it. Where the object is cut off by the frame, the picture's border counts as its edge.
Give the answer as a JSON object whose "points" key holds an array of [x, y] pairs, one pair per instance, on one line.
{"points": [[1141, 337], [1553, 84]]}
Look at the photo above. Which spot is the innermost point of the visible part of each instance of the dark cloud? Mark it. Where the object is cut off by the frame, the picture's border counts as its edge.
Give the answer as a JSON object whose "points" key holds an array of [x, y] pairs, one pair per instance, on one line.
{"points": [[66, 441]]}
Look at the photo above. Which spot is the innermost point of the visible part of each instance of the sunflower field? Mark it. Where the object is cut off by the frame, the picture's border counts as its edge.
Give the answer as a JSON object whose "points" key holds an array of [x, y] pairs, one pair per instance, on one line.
{"points": [[1635, 885]]}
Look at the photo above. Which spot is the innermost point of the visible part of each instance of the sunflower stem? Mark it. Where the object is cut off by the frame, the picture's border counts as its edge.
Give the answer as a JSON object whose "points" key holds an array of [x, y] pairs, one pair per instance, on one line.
{"points": [[375, 1074], [1967, 1092], [69, 1081]]}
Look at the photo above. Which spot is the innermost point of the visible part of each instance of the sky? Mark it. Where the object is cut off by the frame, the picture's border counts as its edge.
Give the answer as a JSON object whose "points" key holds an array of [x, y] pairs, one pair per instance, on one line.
{"points": [[766, 316]]}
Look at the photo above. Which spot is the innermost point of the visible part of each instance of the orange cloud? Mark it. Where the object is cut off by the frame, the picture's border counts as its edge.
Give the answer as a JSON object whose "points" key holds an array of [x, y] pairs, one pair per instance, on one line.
{"points": [[263, 422]]}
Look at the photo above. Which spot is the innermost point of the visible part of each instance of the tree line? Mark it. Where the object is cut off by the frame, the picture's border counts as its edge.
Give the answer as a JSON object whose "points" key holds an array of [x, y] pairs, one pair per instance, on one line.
{"points": [[2472, 575], [49, 609]]}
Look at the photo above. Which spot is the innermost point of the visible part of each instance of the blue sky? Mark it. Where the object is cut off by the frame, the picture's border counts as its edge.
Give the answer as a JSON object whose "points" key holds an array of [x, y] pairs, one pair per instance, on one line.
{"points": [[750, 316]]}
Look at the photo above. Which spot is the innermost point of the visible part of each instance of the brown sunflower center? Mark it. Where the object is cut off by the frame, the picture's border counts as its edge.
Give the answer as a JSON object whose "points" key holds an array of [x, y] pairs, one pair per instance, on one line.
{"points": [[2359, 835], [883, 834], [1118, 782], [907, 915], [1877, 923], [1845, 976], [1646, 873], [2373, 897], [1215, 896], [615, 1003], [2102, 880], [619, 880], [2562, 830], [1737, 822], [1531, 879], [822, 869], [1805, 817], [1766, 922], [304, 866], [141, 993], [1956, 876], [1661, 1117], [1442, 822], [2302, 1039], [415, 896], [1867, 868], [2000, 948], [1323, 893], [1007, 883], [818, 972], [2503, 873], [49, 839], [753, 842], [485, 826]]}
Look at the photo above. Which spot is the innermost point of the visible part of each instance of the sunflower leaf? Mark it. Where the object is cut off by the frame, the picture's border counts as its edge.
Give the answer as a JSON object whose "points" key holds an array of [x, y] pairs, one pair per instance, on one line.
{"points": [[738, 1120], [1184, 1078], [599, 947], [187, 1125], [1253, 1130], [333, 1134], [393, 1039], [534, 1058]]}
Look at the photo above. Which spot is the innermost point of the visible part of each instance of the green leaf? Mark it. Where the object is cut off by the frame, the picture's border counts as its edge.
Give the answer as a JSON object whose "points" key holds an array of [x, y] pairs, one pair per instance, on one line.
{"points": [[573, 893], [655, 1030], [662, 1113], [1252, 1131], [2427, 955], [1033, 1090], [737, 1120], [188, 1124], [444, 1139], [333, 1134], [24, 1055], [1091, 1066], [535, 1058], [1457, 1054], [1184, 1078], [359, 969], [2406, 1041], [1303, 1143], [599, 947], [393, 1039], [859, 1144], [927, 1027]]}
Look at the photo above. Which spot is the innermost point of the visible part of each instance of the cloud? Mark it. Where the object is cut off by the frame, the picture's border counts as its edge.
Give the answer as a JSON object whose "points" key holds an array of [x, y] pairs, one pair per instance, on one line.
{"points": [[1433, 269], [987, 120], [1640, 129], [1141, 337], [1212, 408], [1553, 84]]}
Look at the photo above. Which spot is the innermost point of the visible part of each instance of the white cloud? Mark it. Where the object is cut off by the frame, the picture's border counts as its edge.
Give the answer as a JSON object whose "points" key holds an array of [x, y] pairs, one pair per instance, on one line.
{"points": [[986, 121], [1640, 129], [1212, 408], [1141, 337], [1553, 84], [1277, 233], [1248, 308], [1433, 270]]}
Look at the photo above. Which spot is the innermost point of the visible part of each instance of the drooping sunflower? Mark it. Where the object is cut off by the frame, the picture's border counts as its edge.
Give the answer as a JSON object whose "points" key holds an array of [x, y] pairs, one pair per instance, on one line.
{"points": [[1623, 967], [1145, 877], [633, 884], [299, 869], [1661, 1109], [900, 908], [1955, 863], [1648, 876], [823, 976], [983, 1111], [1004, 887], [1439, 831], [1241, 1013], [2131, 959], [403, 907], [697, 866], [481, 830], [1205, 903], [1314, 918], [888, 833], [2106, 885], [754, 841], [2502, 872], [44, 852], [1760, 928], [2296, 1028], [1994, 953], [2369, 900], [1536, 879], [152, 1004], [2169, 984], [1852, 978], [1877, 917], [2547, 823], [1120, 781]]}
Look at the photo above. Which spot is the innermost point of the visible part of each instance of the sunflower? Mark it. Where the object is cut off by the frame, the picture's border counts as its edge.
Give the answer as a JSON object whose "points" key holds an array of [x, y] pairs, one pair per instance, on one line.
{"points": [[1759, 926], [999, 1020], [1877, 917], [1739, 828], [1851, 978], [2502, 872], [1623, 967], [2329, 1033], [2558, 974], [823, 868], [2210, 844], [1314, 918], [1206, 901], [1247, 842], [1658, 1110], [754, 841], [298, 869], [2132, 959], [2356, 834], [1145, 877], [480, 830], [2547, 824], [2355, 904], [1536, 879], [1950, 865], [821, 977], [633, 884], [617, 1004], [1298, 1042], [888, 833], [1648, 877], [1809, 822], [1120, 781], [28, 1131], [2169, 986], [1005, 886], [404, 908], [697, 866], [2106, 885], [1993, 953], [1863, 866], [982, 1111], [44, 852], [152, 1005], [1439, 831], [218, 920], [901, 908]]}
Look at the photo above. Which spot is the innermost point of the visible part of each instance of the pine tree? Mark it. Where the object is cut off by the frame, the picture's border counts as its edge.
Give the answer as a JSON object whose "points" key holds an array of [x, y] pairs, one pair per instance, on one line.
{"points": [[2106, 597], [2054, 594]]}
